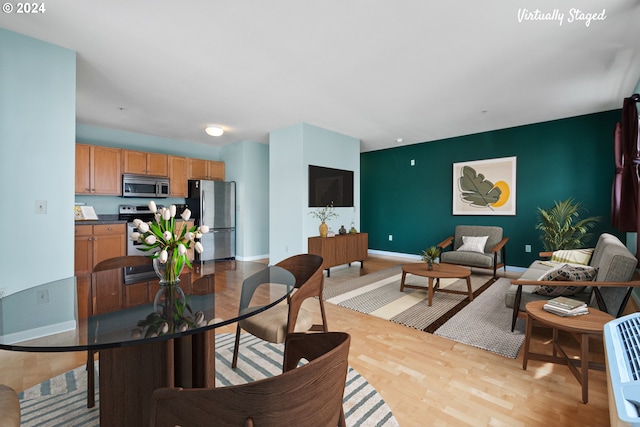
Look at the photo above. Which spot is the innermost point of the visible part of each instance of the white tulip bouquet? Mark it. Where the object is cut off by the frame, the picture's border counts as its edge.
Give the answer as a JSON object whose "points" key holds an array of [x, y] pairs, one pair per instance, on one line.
{"points": [[168, 244]]}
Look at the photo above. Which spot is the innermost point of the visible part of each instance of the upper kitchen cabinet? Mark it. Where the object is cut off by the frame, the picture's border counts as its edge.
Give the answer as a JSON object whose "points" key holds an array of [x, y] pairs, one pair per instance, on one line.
{"points": [[98, 170], [178, 176], [206, 169], [138, 162]]}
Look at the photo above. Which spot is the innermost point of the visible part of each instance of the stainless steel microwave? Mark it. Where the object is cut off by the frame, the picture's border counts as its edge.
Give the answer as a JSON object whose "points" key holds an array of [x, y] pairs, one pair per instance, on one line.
{"points": [[144, 186]]}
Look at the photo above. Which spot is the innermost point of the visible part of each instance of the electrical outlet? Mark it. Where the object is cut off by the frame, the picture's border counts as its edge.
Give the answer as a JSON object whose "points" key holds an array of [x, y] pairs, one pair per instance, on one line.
{"points": [[390, 237], [527, 248], [413, 162]]}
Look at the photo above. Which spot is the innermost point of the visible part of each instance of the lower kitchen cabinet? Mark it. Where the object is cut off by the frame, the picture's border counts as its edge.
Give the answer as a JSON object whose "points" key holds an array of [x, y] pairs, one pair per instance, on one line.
{"points": [[136, 294], [95, 243], [145, 292], [106, 291]]}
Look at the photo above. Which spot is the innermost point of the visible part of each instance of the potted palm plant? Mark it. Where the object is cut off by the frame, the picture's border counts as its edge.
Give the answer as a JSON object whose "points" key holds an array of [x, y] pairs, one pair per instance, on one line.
{"points": [[562, 227]]}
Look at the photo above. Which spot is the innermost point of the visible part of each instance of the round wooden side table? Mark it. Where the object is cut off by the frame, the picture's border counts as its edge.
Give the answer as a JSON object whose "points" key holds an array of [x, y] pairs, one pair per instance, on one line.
{"points": [[581, 327]]}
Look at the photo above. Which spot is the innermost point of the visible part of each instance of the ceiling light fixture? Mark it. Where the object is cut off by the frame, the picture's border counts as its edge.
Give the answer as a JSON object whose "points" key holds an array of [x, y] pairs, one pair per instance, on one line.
{"points": [[214, 130]]}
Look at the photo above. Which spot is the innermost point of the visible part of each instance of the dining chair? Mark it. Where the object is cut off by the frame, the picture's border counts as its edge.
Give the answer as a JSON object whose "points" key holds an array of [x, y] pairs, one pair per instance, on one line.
{"points": [[114, 263], [307, 394], [276, 323]]}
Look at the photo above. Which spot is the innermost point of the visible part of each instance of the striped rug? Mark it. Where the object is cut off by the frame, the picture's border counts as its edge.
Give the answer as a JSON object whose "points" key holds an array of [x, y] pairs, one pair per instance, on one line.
{"points": [[378, 294], [61, 401], [486, 323]]}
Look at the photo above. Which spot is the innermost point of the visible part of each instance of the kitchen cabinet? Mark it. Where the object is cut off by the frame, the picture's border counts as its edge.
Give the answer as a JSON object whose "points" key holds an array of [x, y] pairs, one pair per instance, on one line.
{"points": [[95, 243], [341, 249], [206, 169], [142, 163], [145, 292], [178, 176], [98, 170]]}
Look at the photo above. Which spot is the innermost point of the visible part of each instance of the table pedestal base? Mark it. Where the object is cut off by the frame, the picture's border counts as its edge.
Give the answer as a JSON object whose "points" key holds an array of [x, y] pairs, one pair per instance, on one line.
{"points": [[129, 375]]}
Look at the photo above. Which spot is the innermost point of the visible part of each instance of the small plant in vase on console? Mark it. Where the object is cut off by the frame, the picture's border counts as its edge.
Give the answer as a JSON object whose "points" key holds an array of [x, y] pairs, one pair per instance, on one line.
{"points": [[323, 215]]}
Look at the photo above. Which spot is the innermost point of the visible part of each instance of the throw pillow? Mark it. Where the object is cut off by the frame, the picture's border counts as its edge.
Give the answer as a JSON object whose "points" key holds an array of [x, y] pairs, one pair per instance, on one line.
{"points": [[572, 273], [473, 244], [574, 256]]}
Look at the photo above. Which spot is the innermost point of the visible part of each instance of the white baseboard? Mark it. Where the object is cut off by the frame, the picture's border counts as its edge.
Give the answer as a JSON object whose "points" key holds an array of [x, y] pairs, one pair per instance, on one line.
{"points": [[39, 332], [414, 257], [394, 254], [252, 258]]}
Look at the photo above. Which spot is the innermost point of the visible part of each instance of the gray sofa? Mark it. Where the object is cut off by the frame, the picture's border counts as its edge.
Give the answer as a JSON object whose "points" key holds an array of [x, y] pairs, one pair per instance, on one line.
{"points": [[609, 291]]}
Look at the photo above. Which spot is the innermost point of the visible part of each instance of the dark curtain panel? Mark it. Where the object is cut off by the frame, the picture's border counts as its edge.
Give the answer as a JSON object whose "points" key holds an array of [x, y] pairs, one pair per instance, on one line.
{"points": [[625, 196]]}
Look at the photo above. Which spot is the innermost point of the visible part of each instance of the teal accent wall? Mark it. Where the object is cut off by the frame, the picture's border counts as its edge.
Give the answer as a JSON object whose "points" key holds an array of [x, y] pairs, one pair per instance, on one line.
{"points": [[571, 157], [37, 152]]}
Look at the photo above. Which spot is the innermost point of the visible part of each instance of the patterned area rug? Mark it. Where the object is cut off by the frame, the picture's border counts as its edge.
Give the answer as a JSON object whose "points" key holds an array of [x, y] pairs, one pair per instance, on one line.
{"points": [[61, 401], [486, 323], [378, 294]]}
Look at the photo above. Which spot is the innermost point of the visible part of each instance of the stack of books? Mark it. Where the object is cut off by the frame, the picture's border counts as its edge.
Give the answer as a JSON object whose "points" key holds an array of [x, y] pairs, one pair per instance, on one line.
{"points": [[563, 306]]}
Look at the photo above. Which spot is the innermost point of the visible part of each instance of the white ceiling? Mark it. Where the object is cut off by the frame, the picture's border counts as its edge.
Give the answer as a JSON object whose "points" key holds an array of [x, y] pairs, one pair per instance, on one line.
{"points": [[376, 70]]}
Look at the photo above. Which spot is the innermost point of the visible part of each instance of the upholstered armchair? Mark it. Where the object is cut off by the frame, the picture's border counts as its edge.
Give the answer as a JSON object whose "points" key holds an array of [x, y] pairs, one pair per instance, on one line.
{"points": [[475, 246]]}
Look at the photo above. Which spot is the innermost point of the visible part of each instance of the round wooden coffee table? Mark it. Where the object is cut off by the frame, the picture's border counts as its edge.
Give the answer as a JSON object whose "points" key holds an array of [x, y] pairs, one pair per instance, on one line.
{"points": [[440, 271], [581, 327]]}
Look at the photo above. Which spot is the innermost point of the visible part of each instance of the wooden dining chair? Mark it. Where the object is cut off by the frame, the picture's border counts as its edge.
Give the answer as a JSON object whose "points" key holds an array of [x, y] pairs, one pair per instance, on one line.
{"points": [[114, 263], [307, 395], [273, 325]]}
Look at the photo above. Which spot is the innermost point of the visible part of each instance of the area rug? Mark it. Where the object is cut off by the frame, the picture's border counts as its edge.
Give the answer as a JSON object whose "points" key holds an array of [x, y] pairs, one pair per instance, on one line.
{"points": [[486, 323], [61, 401], [378, 294]]}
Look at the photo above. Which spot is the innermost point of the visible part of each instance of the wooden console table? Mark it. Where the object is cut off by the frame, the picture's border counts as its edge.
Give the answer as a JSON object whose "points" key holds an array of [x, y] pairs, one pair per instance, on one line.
{"points": [[341, 249]]}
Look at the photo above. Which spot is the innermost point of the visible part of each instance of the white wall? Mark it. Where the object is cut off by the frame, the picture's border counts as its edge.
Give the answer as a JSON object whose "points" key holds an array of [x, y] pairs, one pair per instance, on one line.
{"points": [[37, 160], [247, 163], [286, 193], [291, 151]]}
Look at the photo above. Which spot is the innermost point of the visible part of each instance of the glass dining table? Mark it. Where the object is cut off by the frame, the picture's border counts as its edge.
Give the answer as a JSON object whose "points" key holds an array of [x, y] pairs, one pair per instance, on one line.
{"points": [[135, 360]]}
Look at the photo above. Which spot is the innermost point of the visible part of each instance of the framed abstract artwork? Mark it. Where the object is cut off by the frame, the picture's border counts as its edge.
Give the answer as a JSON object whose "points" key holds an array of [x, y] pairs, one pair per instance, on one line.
{"points": [[485, 187]]}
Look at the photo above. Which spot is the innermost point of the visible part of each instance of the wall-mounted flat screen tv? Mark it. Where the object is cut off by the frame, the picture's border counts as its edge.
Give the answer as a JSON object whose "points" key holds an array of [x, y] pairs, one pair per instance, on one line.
{"points": [[328, 185]]}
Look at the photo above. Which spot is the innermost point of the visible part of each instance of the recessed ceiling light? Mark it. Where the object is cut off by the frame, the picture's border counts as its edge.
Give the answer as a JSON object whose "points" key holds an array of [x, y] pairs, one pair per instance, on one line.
{"points": [[399, 140], [214, 130]]}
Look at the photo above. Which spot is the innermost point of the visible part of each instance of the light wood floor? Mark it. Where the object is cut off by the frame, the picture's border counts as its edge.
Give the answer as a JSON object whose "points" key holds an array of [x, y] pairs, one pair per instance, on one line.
{"points": [[425, 379]]}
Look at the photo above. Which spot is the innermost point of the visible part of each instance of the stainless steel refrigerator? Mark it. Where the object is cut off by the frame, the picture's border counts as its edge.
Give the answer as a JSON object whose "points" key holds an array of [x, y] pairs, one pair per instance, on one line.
{"points": [[213, 203]]}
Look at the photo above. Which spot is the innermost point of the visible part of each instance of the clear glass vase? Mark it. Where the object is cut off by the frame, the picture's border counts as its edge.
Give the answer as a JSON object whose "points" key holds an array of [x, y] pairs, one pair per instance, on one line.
{"points": [[170, 299], [168, 272]]}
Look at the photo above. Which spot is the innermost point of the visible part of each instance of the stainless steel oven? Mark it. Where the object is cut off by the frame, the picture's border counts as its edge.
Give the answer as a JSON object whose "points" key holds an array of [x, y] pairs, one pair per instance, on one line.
{"points": [[143, 272]]}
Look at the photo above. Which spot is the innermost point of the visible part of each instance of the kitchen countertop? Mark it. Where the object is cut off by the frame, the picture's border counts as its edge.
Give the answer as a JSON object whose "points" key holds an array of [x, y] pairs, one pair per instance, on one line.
{"points": [[103, 219]]}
